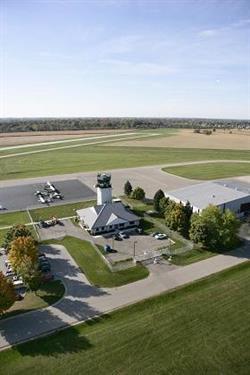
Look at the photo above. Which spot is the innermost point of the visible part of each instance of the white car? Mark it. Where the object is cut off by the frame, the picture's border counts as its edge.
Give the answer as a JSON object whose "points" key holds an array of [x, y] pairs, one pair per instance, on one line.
{"points": [[161, 236]]}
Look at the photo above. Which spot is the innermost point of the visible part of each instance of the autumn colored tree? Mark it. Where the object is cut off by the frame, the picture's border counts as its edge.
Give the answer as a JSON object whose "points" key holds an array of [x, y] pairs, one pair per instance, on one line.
{"points": [[7, 294], [23, 252], [16, 231]]}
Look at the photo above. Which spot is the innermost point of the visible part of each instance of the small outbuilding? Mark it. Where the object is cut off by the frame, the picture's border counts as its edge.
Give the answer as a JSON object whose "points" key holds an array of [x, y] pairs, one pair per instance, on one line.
{"points": [[202, 195]]}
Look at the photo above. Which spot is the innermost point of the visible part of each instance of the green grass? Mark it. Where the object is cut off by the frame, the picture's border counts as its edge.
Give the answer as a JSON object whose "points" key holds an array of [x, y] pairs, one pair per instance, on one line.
{"points": [[202, 328], [210, 171], [95, 268], [12, 218], [48, 294], [43, 213], [96, 158], [64, 210], [192, 256]]}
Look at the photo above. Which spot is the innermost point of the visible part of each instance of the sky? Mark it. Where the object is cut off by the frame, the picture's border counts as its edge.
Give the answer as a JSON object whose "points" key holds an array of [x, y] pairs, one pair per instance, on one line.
{"points": [[114, 58]]}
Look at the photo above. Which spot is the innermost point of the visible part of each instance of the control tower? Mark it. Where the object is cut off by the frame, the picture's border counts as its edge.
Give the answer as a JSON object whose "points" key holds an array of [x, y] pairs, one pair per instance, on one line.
{"points": [[104, 188]]}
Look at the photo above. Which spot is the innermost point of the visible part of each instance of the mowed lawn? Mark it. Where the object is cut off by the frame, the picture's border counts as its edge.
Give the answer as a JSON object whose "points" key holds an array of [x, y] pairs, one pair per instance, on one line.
{"points": [[43, 213], [60, 211], [210, 171], [94, 267], [48, 294], [12, 218], [96, 158], [202, 328]]}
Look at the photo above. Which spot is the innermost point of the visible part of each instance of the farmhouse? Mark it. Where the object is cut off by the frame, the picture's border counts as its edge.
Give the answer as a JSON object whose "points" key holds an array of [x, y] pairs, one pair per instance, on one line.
{"points": [[223, 196], [107, 215]]}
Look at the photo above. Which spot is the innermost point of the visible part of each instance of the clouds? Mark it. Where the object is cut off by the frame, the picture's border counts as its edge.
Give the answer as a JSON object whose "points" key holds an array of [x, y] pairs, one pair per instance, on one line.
{"points": [[138, 68], [231, 27]]}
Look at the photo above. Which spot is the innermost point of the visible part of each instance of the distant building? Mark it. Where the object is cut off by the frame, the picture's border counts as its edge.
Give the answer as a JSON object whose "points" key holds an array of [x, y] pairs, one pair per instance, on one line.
{"points": [[202, 195], [107, 215]]}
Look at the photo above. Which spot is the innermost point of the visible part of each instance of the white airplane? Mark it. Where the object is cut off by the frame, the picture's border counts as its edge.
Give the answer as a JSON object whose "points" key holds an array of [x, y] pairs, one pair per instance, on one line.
{"points": [[50, 186], [41, 198]]}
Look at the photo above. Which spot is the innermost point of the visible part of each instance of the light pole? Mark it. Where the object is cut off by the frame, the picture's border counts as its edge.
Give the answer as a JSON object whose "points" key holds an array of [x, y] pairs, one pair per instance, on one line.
{"points": [[134, 248]]}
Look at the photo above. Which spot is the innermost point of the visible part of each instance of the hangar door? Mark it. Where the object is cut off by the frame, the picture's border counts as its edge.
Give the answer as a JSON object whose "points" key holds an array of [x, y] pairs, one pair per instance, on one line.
{"points": [[245, 207]]}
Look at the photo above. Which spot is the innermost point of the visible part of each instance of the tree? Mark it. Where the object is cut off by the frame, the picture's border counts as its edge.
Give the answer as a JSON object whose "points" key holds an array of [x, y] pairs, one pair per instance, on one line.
{"points": [[198, 232], [16, 231], [23, 254], [7, 294], [138, 193], [214, 228], [157, 197], [176, 218], [163, 204], [128, 188], [229, 230]]}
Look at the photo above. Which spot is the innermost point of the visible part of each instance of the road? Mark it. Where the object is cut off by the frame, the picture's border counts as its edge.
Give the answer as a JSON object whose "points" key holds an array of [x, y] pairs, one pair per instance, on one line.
{"points": [[83, 301], [150, 178]]}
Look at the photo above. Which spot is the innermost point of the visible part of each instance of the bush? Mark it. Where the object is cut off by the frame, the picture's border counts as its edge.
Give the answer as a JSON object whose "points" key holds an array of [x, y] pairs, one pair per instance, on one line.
{"points": [[138, 193]]}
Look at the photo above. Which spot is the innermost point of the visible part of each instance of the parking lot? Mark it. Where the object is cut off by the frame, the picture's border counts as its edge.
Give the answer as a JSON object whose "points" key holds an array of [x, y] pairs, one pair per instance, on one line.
{"points": [[142, 244], [21, 197]]}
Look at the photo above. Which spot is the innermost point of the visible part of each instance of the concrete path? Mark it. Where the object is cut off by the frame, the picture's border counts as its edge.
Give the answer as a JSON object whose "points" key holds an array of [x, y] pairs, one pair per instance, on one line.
{"points": [[83, 301]]}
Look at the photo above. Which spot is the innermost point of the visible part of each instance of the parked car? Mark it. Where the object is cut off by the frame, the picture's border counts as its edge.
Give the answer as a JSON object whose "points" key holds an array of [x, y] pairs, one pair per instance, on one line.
{"points": [[107, 248], [155, 234], [139, 230], [47, 276], [117, 237], [123, 235], [45, 268], [161, 236]]}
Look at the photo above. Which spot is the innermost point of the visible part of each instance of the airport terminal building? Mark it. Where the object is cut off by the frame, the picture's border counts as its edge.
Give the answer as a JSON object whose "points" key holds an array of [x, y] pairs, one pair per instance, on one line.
{"points": [[222, 195], [108, 215]]}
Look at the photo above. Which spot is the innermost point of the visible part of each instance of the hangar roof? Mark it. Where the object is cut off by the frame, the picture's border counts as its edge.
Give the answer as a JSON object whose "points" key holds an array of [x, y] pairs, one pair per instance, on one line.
{"points": [[201, 195]]}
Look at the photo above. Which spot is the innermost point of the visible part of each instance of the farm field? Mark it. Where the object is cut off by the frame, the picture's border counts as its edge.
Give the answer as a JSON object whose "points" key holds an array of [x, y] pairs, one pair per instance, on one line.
{"points": [[186, 138], [210, 171], [176, 333], [97, 157]]}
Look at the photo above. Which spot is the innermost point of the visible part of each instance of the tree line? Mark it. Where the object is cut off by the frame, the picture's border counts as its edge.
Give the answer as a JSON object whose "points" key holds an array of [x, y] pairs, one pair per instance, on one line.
{"points": [[55, 124]]}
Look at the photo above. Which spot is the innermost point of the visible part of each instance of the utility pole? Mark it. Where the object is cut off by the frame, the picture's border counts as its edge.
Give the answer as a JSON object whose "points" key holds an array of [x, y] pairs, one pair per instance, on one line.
{"points": [[134, 248]]}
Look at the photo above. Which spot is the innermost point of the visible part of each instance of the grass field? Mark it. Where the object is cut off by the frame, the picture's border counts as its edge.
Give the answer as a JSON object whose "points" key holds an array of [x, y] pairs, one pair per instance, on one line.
{"points": [[12, 218], [94, 267], [46, 295], [210, 171], [192, 256], [96, 158], [202, 328], [43, 213], [59, 211]]}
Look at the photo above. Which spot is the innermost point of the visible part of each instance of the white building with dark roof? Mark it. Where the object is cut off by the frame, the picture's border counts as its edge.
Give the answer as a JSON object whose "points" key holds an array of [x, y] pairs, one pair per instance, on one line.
{"points": [[107, 215], [202, 195]]}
